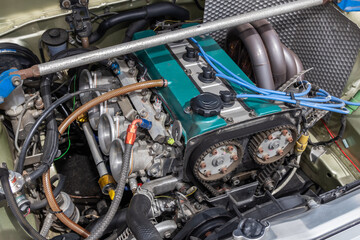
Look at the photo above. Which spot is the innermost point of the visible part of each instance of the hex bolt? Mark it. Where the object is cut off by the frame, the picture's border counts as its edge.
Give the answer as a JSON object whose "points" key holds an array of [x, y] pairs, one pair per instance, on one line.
{"points": [[202, 165], [16, 81], [290, 139], [230, 148], [270, 137], [284, 132], [214, 152], [266, 157], [235, 157], [207, 173], [280, 152], [260, 150], [167, 234]]}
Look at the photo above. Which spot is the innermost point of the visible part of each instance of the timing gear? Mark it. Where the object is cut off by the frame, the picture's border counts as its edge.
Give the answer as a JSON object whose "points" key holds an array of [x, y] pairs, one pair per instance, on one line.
{"points": [[218, 161], [270, 146]]}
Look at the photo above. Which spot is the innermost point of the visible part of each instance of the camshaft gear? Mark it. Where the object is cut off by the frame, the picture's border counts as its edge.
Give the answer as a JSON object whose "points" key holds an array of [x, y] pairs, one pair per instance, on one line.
{"points": [[218, 161], [271, 145]]}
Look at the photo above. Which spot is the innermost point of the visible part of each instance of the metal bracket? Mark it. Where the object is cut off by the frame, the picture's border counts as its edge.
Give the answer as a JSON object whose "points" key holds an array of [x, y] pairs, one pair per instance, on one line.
{"points": [[8, 83], [349, 5]]}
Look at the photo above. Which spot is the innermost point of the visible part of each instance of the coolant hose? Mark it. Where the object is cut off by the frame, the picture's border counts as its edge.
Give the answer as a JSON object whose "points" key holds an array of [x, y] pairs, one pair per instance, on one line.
{"points": [[138, 221], [4, 178], [102, 98], [150, 11], [42, 203], [134, 28], [101, 226]]}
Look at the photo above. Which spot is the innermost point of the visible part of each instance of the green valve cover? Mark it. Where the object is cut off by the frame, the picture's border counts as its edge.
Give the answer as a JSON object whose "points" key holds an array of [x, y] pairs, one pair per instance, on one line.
{"points": [[162, 63]]}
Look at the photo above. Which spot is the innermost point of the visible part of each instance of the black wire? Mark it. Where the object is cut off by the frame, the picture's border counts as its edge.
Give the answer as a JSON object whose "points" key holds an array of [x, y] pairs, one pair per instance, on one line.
{"points": [[199, 5], [4, 177], [20, 164], [331, 141]]}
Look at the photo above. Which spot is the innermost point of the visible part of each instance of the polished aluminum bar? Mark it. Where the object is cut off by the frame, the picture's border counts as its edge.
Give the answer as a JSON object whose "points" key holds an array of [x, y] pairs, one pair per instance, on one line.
{"points": [[133, 46]]}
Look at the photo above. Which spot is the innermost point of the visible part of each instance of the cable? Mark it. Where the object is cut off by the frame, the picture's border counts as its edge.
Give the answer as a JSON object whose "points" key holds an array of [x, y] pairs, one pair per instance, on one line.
{"points": [[340, 134], [130, 138], [198, 5], [20, 164], [332, 136], [68, 132], [320, 100], [4, 177]]}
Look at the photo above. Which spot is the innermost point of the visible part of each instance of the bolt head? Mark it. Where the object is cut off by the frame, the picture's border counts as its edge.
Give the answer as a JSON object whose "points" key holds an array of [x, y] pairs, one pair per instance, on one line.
{"points": [[270, 137], [290, 139], [284, 132], [235, 157], [223, 170], [266, 157], [280, 152], [214, 152], [203, 165], [16, 81], [260, 150], [230, 148], [207, 173]]}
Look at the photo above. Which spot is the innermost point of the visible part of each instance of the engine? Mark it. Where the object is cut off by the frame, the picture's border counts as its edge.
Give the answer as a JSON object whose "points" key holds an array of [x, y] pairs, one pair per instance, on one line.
{"points": [[173, 134]]}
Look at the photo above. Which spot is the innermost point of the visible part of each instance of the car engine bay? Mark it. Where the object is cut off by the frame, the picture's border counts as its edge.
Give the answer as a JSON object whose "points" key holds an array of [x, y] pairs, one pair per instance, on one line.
{"points": [[185, 119]]}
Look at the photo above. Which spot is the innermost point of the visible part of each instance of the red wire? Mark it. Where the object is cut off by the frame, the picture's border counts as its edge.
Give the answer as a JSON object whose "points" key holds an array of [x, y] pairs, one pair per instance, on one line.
{"points": [[332, 136]]}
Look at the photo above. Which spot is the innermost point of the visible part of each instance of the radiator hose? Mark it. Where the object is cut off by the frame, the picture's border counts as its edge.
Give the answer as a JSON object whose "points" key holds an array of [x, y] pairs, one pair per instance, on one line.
{"points": [[150, 11], [138, 221]]}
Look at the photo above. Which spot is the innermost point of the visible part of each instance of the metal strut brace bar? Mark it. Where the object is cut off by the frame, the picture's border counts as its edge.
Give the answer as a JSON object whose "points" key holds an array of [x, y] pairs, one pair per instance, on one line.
{"points": [[133, 46]]}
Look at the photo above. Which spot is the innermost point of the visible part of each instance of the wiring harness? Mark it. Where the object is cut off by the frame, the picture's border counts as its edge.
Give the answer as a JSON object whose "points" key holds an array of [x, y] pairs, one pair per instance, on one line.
{"points": [[312, 96]]}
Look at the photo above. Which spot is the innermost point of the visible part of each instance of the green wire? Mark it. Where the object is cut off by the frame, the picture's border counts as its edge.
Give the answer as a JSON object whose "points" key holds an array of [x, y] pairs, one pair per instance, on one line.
{"points": [[68, 131]]}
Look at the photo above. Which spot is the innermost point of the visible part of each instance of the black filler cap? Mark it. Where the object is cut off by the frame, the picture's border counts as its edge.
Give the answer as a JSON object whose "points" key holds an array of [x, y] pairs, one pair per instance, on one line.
{"points": [[55, 36], [206, 104]]}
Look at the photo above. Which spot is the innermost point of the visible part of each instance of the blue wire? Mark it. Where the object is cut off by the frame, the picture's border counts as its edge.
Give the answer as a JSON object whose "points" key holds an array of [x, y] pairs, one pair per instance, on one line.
{"points": [[323, 100]]}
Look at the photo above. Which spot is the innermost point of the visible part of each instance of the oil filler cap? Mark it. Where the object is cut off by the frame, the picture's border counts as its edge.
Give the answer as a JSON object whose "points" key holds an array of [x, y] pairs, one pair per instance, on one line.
{"points": [[206, 104]]}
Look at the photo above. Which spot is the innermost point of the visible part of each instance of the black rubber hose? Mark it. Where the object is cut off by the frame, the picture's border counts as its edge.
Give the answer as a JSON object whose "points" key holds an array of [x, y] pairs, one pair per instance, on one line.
{"points": [[118, 222], [138, 221], [134, 28], [147, 12], [102, 225], [42, 203], [51, 139], [37, 123], [4, 177]]}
